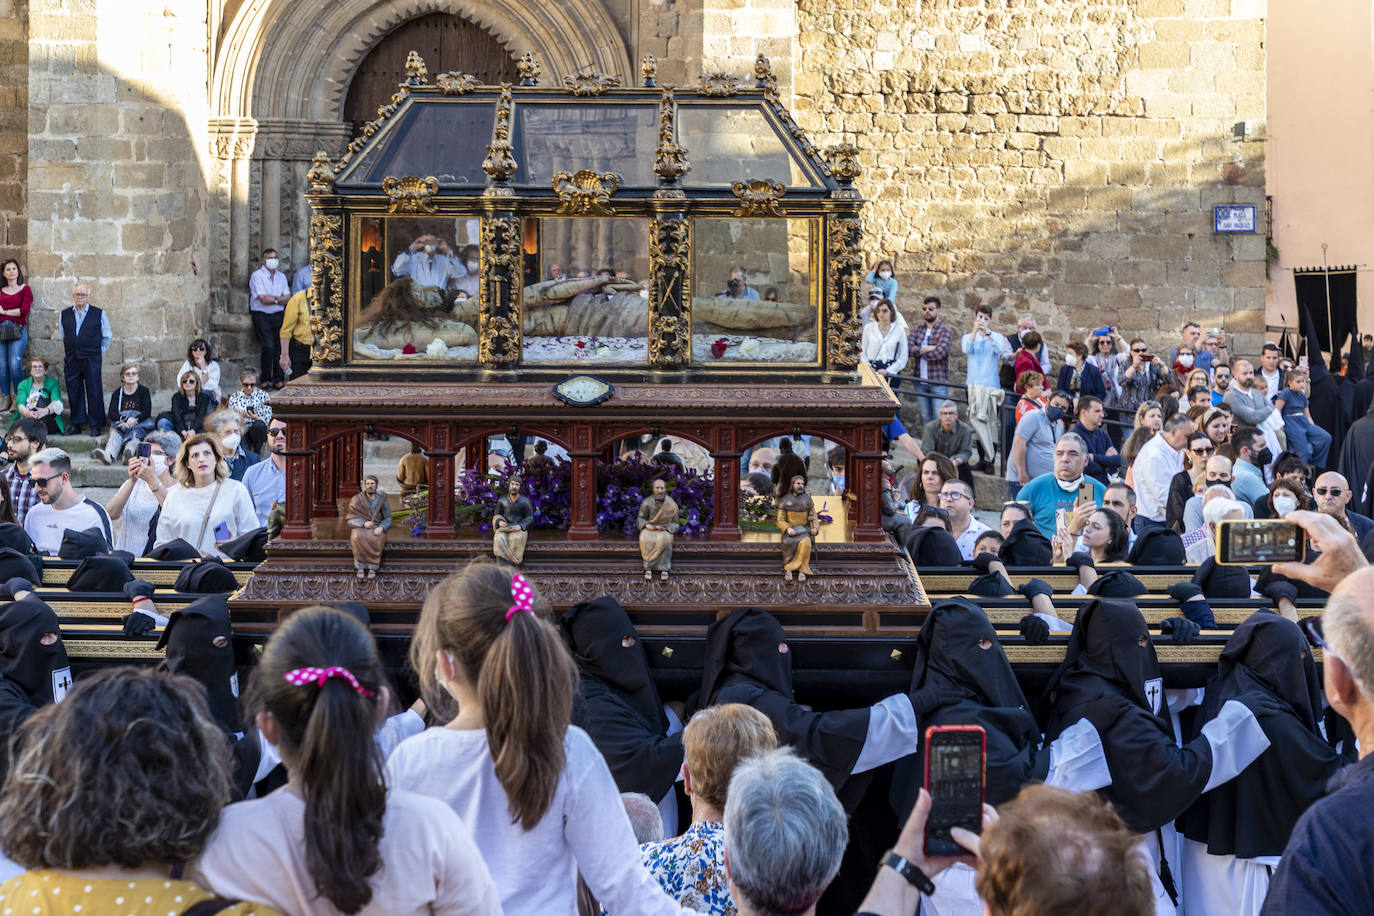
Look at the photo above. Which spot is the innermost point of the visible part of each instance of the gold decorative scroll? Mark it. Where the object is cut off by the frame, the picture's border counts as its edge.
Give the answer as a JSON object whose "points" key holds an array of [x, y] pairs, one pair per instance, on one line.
{"points": [[500, 338], [763, 74], [410, 194], [456, 82], [500, 164], [586, 193], [670, 160], [719, 84], [326, 274], [648, 68], [321, 175], [670, 338], [415, 67], [843, 329], [589, 82], [758, 197]]}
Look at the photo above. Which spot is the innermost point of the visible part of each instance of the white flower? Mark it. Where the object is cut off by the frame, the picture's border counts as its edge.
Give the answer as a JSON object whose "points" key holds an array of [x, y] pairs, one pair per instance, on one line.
{"points": [[749, 347], [437, 349], [605, 353]]}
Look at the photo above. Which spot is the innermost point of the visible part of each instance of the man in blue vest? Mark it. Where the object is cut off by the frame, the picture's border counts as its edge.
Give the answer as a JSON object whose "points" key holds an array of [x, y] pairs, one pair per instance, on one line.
{"points": [[85, 333]]}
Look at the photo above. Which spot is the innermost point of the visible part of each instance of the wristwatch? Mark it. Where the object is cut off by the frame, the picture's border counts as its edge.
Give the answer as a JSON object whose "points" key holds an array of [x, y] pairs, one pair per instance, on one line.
{"points": [[908, 870]]}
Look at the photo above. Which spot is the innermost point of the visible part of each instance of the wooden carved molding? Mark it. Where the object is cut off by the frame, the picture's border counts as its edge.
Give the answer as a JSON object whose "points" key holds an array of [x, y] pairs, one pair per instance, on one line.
{"points": [[719, 84], [326, 271], [321, 174], [456, 82], [528, 69], [670, 339], [670, 160], [843, 328], [410, 194], [500, 338], [417, 72], [586, 193], [763, 74], [590, 82], [648, 68], [844, 163], [500, 165], [758, 197]]}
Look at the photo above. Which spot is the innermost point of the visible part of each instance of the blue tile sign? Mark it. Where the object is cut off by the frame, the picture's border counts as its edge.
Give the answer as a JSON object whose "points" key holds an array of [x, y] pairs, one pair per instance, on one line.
{"points": [[1233, 218]]}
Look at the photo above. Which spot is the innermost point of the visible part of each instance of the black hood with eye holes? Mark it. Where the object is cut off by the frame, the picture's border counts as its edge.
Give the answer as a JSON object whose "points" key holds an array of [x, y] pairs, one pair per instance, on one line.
{"points": [[595, 632], [42, 671], [189, 639], [744, 647]]}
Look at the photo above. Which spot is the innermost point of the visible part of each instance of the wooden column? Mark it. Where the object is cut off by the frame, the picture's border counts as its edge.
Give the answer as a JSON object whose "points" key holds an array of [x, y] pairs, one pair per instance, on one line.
{"points": [[298, 484], [349, 455], [725, 497], [324, 488], [440, 496], [583, 527], [868, 463]]}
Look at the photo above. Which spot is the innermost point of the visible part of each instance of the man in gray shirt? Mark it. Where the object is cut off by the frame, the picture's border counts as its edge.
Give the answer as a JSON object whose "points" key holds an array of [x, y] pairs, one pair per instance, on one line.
{"points": [[1032, 448], [1248, 402]]}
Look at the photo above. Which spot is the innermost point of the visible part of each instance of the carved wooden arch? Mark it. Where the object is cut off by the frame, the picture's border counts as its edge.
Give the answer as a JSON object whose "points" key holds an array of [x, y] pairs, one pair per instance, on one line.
{"points": [[475, 434], [611, 435], [287, 59], [752, 436]]}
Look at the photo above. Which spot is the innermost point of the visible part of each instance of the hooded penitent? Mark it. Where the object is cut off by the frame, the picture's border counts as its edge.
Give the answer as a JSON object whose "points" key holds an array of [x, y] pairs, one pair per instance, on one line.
{"points": [[1026, 546], [42, 671], [618, 705], [959, 657], [199, 644], [1267, 661]]}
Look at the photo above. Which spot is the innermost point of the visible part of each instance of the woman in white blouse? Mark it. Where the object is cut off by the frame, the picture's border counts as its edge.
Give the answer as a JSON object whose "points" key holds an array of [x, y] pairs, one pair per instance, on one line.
{"points": [[884, 343], [209, 507], [142, 494]]}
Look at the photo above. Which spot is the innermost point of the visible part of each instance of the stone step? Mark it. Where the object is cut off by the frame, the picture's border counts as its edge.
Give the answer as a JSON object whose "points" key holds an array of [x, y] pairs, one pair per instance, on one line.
{"points": [[75, 446]]}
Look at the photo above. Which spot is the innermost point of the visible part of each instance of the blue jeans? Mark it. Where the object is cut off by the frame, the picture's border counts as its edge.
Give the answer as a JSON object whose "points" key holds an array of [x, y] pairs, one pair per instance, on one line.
{"points": [[929, 396], [1310, 442], [12, 363]]}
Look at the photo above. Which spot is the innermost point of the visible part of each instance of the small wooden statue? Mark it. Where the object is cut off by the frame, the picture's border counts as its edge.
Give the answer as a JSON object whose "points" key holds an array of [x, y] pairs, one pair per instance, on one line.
{"points": [[511, 524], [369, 517], [657, 522], [797, 521]]}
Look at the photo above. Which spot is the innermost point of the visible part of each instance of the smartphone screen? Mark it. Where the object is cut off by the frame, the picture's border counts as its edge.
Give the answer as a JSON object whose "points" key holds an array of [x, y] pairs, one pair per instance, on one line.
{"points": [[954, 778], [144, 450], [221, 532], [1260, 542]]}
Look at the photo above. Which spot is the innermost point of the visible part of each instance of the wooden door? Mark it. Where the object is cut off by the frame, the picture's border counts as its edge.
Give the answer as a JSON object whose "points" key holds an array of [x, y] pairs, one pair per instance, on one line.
{"points": [[446, 43]]}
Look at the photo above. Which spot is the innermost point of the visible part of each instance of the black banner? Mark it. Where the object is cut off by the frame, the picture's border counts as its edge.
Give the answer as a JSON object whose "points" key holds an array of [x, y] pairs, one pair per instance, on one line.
{"points": [[1311, 284]]}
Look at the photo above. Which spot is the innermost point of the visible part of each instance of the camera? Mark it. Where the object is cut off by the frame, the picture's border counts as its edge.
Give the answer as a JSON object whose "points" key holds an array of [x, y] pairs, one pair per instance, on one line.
{"points": [[736, 285]]}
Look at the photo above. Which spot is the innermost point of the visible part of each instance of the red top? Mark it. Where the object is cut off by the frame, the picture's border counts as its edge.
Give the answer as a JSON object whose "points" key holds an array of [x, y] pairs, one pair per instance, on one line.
{"points": [[22, 300], [1027, 362]]}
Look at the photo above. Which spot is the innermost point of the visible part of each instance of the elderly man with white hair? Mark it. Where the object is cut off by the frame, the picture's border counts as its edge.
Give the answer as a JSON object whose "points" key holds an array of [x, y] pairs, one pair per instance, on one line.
{"points": [[785, 832], [1157, 463], [1217, 507], [1054, 493]]}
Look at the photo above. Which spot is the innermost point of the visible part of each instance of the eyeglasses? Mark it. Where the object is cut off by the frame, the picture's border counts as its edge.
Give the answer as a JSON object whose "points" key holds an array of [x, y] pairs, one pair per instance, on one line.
{"points": [[1328, 491], [954, 495], [42, 482], [274, 433], [1203, 451], [16, 438]]}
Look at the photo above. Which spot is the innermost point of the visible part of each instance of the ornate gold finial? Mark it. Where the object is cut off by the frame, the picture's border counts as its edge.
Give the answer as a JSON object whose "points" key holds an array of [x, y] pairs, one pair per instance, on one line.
{"points": [[670, 161], [415, 66], [843, 162], [718, 84], [763, 73], [586, 193], [648, 67], [456, 82], [500, 165], [528, 68], [321, 174], [410, 194], [589, 82], [758, 197]]}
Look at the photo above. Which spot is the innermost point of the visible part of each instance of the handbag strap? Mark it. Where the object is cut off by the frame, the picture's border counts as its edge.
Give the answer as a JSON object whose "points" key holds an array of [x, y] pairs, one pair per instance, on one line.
{"points": [[208, 509], [209, 907]]}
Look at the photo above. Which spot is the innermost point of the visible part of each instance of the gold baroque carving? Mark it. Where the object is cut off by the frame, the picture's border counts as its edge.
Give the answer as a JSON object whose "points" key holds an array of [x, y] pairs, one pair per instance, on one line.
{"points": [[456, 82], [670, 339], [410, 194], [648, 68], [500, 164], [718, 84], [589, 82], [501, 337], [498, 344], [843, 327], [326, 272], [586, 193], [670, 160], [415, 67], [758, 197], [844, 162], [763, 73], [528, 68], [321, 174], [677, 234], [670, 344]]}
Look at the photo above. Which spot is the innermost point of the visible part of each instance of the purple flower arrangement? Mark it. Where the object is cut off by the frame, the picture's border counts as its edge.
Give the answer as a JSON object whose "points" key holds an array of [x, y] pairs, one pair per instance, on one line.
{"points": [[623, 484]]}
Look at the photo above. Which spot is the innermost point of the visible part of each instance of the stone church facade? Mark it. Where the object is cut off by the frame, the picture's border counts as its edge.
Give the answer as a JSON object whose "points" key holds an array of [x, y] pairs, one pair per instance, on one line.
{"points": [[1052, 158]]}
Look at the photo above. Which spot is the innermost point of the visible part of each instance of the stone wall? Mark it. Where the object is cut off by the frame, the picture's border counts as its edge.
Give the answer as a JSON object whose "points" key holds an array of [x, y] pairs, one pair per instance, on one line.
{"points": [[116, 193], [1048, 158], [14, 120]]}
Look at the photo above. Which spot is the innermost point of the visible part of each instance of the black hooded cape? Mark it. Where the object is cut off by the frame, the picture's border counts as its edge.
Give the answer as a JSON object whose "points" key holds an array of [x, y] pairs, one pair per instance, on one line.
{"points": [[1267, 662], [618, 705], [41, 671], [977, 687], [743, 664], [1111, 677]]}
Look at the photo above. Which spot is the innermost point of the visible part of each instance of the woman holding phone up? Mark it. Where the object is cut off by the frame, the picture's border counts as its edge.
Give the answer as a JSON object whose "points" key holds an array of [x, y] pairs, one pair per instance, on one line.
{"points": [[209, 507]]}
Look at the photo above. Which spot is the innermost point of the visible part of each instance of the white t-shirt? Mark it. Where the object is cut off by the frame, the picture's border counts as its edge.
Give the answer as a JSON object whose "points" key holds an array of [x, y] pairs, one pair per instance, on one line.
{"points": [[429, 862], [970, 537], [585, 827], [183, 515], [45, 524]]}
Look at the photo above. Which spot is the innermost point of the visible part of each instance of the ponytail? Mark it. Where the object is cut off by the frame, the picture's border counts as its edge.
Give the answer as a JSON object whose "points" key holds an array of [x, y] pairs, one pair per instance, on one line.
{"points": [[524, 677], [327, 710]]}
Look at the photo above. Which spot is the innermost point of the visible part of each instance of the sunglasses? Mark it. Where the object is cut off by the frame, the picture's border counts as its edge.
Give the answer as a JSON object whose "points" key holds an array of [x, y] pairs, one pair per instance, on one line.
{"points": [[1312, 626], [1328, 491], [249, 384], [1139, 350], [274, 433], [198, 348], [42, 482], [1203, 451]]}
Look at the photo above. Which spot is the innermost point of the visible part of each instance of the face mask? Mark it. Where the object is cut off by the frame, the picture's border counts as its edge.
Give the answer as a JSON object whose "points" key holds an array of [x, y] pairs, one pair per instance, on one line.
{"points": [[1283, 504], [839, 483], [472, 266], [1054, 413], [1185, 360], [1071, 360], [1263, 457], [272, 263], [1068, 486], [885, 274], [231, 442], [159, 463], [429, 249]]}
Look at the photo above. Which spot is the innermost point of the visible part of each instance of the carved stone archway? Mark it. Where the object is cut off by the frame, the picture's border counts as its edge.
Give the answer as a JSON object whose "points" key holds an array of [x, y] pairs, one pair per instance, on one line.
{"points": [[282, 68]]}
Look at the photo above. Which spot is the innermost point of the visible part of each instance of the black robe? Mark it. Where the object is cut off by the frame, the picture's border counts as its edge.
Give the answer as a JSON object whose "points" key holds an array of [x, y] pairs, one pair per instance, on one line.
{"points": [[975, 686], [43, 672], [745, 664], [15, 709], [1267, 662], [1357, 455], [1111, 677], [618, 705], [1325, 394]]}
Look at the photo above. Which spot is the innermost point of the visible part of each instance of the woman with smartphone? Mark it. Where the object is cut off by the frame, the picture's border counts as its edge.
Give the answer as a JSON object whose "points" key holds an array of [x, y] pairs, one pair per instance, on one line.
{"points": [[141, 495], [1141, 378], [209, 507]]}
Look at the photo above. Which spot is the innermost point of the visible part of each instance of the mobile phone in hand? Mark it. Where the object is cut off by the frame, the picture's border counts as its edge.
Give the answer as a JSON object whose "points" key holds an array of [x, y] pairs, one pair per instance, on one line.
{"points": [[221, 532], [144, 450], [956, 763], [1259, 542]]}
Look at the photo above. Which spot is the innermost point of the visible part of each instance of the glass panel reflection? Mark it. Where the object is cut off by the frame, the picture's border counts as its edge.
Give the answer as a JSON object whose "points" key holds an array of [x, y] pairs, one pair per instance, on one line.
{"points": [[586, 290], [426, 307], [725, 145], [564, 138], [447, 140], [754, 298]]}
